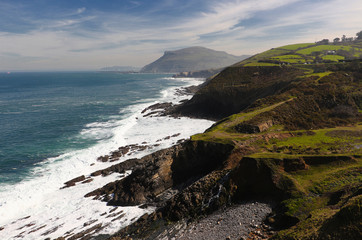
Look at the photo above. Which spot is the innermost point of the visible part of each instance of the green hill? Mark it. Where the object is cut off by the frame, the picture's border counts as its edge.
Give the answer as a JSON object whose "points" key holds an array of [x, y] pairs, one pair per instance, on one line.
{"points": [[265, 74], [191, 59], [306, 53], [287, 131], [293, 114]]}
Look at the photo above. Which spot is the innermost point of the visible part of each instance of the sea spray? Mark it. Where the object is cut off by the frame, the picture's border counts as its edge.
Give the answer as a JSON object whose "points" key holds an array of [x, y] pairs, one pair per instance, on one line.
{"points": [[38, 207]]}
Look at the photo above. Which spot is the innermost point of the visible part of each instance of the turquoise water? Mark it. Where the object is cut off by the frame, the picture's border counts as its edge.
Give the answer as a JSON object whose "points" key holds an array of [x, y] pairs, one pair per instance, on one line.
{"points": [[43, 114]]}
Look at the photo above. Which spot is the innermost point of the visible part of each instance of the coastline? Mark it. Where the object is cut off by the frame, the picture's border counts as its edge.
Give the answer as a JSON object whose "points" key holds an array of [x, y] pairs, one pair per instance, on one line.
{"points": [[30, 226]]}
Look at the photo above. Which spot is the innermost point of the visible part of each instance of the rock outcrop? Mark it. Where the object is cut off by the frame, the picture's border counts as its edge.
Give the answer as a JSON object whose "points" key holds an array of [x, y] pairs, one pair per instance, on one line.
{"points": [[296, 141], [175, 167]]}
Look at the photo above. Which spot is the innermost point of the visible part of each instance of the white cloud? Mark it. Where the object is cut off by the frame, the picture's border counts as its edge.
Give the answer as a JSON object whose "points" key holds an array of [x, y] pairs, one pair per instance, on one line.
{"points": [[81, 10], [224, 16], [124, 39]]}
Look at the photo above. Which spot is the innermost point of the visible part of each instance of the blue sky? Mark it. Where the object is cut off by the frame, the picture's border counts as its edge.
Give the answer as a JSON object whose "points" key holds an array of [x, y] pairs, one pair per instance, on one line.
{"points": [[90, 34]]}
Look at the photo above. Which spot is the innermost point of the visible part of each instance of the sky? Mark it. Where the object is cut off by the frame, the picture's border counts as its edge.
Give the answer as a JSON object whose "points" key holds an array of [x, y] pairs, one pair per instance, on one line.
{"points": [[49, 35]]}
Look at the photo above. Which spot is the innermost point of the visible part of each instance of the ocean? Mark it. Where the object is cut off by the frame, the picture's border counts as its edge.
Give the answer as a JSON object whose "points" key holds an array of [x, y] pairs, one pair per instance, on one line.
{"points": [[53, 128]]}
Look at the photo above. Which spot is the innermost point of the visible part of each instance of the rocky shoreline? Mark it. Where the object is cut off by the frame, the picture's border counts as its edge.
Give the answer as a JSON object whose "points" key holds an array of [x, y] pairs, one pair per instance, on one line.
{"points": [[187, 184], [239, 221], [301, 153]]}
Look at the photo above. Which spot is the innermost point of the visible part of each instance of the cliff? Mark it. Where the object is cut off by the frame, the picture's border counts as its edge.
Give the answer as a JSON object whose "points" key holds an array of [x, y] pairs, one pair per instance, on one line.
{"points": [[191, 59], [289, 133], [295, 137], [267, 74]]}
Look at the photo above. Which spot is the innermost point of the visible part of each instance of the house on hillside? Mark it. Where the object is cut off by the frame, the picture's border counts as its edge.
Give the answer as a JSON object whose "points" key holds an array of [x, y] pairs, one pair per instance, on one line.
{"points": [[331, 52]]}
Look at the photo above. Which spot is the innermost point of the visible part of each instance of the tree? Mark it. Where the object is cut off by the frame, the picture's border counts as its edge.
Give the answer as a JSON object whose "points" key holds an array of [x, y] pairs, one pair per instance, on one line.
{"points": [[359, 35], [336, 40], [324, 41]]}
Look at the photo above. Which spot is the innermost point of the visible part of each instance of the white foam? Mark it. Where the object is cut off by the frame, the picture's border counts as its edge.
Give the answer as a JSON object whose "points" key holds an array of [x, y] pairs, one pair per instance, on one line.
{"points": [[56, 211]]}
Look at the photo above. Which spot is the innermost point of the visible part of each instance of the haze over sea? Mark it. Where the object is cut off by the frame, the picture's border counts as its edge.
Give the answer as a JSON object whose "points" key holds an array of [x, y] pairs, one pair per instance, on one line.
{"points": [[54, 126]]}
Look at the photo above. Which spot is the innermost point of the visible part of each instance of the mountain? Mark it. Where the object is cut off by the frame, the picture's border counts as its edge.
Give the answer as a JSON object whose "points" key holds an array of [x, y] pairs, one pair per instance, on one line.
{"points": [[191, 59]]}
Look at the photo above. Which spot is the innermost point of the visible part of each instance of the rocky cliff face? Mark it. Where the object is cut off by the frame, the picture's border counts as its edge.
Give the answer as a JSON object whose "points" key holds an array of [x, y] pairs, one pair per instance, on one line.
{"points": [[175, 167], [295, 138]]}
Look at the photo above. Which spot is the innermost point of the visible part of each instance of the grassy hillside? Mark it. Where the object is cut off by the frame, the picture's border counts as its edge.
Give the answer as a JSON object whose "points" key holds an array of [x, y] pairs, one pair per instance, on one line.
{"points": [[304, 148], [300, 145], [297, 132], [306, 53], [268, 73], [293, 134]]}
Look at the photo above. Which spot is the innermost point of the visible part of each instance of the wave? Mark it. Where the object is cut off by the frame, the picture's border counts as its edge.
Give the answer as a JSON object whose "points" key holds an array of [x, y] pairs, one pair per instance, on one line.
{"points": [[38, 208]]}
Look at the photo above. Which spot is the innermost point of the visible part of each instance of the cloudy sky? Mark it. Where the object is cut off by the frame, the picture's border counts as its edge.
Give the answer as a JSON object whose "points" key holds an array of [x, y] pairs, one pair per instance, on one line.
{"points": [[90, 34]]}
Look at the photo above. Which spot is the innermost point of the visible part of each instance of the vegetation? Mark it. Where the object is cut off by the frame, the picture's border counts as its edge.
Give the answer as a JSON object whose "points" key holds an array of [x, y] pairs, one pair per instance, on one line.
{"points": [[295, 47], [321, 48], [333, 58], [291, 121], [307, 53], [307, 138]]}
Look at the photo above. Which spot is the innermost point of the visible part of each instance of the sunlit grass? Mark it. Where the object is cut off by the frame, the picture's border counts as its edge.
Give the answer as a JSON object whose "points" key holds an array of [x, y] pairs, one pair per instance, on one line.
{"points": [[320, 48], [297, 46], [334, 58]]}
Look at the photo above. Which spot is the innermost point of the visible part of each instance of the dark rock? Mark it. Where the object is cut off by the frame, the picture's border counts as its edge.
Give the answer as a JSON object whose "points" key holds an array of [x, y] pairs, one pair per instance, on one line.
{"points": [[85, 232], [120, 167], [157, 172], [96, 173], [198, 198], [90, 222], [261, 177], [88, 180], [103, 158], [37, 229], [74, 181], [256, 128], [158, 109]]}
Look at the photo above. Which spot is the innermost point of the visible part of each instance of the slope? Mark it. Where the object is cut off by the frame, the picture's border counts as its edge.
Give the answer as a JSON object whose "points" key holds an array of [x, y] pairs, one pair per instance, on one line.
{"points": [[266, 74], [300, 146], [191, 59]]}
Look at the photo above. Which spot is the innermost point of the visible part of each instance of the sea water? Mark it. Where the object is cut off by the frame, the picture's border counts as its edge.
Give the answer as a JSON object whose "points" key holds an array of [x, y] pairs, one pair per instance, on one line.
{"points": [[54, 126]]}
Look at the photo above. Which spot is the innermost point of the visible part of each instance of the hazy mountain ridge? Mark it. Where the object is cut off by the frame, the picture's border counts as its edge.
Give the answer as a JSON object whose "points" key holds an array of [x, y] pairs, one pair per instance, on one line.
{"points": [[191, 59]]}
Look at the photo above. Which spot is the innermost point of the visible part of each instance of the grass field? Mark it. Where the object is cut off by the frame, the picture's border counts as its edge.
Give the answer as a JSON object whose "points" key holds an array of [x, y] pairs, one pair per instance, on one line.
{"points": [[305, 53], [334, 58], [323, 48], [289, 58]]}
